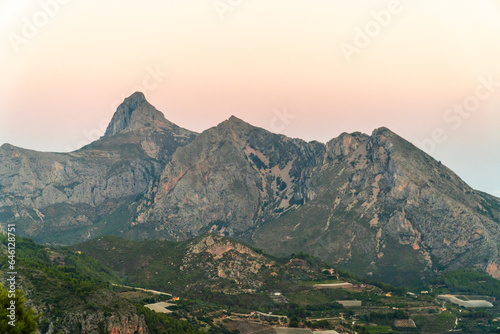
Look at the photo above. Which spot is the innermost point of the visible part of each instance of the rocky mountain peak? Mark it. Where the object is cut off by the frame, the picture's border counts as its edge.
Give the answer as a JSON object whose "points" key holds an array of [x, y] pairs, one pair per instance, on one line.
{"points": [[345, 143], [235, 122], [137, 96], [232, 127], [234, 119], [134, 113], [383, 131]]}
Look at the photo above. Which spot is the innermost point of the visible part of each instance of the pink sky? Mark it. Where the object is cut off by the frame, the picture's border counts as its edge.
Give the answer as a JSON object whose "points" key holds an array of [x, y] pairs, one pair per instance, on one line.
{"points": [[59, 87]]}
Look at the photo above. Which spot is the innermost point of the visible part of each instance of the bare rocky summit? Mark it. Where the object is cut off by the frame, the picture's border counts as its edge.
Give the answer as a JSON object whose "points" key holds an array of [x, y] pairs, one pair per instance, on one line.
{"points": [[136, 113], [373, 204]]}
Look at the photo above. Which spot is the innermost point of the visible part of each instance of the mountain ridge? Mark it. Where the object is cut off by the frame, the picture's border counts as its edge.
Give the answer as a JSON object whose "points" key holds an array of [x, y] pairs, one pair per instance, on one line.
{"points": [[358, 200]]}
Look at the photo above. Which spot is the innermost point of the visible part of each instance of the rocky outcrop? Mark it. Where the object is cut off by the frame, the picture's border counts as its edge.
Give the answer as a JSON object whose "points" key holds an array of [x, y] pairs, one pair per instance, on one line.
{"points": [[97, 322], [227, 260]]}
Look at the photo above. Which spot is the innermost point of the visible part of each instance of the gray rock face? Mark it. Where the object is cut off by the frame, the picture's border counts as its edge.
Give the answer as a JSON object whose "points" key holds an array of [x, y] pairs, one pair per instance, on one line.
{"points": [[135, 113], [229, 180], [386, 209], [65, 198], [373, 204], [88, 322]]}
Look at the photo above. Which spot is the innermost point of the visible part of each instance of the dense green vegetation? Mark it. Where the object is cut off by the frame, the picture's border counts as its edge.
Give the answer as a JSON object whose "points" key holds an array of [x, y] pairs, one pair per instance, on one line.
{"points": [[384, 318], [374, 330], [64, 283], [25, 322], [59, 275], [164, 324], [242, 303], [437, 324], [470, 281]]}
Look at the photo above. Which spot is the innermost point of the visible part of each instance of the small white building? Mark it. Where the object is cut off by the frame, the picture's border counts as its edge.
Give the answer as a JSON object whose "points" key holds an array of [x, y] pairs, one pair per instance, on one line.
{"points": [[466, 303]]}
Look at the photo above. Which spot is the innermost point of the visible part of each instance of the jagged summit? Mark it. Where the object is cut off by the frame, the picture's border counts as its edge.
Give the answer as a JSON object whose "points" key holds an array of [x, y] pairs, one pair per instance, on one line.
{"points": [[134, 113], [235, 121], [137, 96], [230, 126], [383, 131]]}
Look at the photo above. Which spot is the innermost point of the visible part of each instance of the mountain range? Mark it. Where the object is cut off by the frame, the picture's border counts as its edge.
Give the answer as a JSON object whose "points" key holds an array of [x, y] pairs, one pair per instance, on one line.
{"points": [[372, 204]]}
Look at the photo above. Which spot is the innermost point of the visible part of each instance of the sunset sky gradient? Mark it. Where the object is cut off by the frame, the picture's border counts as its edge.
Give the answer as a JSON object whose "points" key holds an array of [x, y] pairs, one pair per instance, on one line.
{"points": [[60, 87]]}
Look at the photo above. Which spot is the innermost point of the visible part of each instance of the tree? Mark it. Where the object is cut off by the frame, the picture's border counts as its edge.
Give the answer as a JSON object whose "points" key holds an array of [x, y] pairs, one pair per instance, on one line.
{"points": [[294, 321], [25, 320]]}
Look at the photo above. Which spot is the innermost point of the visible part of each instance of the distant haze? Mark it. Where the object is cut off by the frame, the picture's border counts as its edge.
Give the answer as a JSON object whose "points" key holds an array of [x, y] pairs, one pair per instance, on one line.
{"points": [[308, 69]]}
